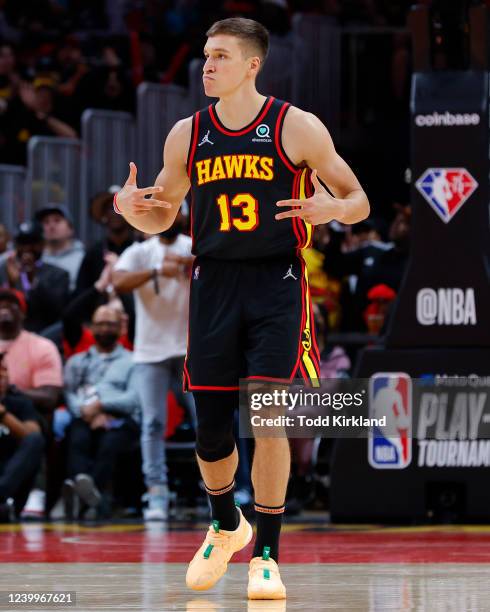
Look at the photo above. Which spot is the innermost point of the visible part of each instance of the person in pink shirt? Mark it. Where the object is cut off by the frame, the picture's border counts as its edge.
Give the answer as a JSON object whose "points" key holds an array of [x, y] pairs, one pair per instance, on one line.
{"points": [[33, 363]]}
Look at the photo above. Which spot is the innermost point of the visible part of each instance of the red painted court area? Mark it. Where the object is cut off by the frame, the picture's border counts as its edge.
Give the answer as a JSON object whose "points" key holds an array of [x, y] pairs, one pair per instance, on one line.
{"points": [[300, 544]]}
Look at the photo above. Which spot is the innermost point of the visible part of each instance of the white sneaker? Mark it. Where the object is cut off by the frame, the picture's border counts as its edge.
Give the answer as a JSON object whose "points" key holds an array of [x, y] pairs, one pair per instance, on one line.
{"points": [[87, 491], [35, 505], [58, 510], [157, 499]]}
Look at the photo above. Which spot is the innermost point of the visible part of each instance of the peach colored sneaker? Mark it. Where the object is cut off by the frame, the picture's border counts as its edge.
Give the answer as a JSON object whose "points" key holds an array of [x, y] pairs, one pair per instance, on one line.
{"points": [[211, 560], [266, 605], [264, 579]]}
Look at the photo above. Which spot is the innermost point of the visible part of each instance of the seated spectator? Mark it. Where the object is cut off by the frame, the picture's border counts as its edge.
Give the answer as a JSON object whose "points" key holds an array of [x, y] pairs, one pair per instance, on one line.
{"points": [[77, 336], [60, 249], [101, 396], [45, 287], [33, 364], [119, 236], [21, 447]]}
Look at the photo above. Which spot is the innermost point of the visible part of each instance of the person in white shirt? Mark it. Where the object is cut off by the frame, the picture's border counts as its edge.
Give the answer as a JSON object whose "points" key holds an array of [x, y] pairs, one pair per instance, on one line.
{"points": [[157, 270]]}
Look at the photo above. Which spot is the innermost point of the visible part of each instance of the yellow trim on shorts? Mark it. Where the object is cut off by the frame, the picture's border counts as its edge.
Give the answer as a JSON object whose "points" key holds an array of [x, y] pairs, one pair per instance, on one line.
{"points": [[307, 361]]}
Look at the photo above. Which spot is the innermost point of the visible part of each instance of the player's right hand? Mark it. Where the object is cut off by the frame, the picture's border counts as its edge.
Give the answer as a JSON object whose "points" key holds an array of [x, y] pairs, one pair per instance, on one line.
{"points": [[131, 200]]}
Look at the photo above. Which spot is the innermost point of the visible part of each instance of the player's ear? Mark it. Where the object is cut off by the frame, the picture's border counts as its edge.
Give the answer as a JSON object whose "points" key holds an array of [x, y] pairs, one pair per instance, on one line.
{"points": [[255, 65]]}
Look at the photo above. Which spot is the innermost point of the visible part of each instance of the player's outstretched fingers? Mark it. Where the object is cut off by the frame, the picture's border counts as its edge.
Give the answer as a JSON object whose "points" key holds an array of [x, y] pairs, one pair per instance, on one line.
{"points": [[149, 203], [149, 190], [297, 209], [133, 171], [290, 203]]}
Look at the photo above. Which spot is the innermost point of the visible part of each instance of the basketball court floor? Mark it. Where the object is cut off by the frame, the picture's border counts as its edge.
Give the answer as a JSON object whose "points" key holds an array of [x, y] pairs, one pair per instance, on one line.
{"points": [[325, 567]]}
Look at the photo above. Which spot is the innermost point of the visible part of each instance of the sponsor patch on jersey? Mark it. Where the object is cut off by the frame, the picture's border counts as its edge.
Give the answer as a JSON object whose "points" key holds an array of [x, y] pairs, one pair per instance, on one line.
{"points": [[263, 133]]}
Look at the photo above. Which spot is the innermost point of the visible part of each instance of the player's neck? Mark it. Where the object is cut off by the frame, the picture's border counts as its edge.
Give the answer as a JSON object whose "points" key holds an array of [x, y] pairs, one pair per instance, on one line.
{"points": [[239, 108]]}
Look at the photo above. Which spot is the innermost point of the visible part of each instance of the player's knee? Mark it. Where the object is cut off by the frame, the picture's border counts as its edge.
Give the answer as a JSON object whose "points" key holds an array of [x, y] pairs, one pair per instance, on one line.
{"points": [[214, 445], [215, 417]]}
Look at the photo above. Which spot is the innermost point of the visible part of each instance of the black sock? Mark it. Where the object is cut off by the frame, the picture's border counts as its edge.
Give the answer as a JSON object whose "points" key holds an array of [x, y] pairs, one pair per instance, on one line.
{"points": [[223, 507], [269, 519]]}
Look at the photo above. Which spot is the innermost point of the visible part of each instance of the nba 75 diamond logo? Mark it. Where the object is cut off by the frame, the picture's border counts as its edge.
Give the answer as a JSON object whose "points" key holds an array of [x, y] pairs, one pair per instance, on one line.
{"points": [[446, 189]]}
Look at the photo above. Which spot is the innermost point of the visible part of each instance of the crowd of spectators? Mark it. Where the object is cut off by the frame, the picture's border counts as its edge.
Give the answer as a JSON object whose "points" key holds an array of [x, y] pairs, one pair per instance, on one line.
{"points": [[92, 342], [59, 57], [92, 337]]}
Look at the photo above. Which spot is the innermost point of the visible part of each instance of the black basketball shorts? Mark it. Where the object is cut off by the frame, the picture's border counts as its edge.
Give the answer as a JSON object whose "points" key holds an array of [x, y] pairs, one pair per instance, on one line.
{"points": [[249, 320]]}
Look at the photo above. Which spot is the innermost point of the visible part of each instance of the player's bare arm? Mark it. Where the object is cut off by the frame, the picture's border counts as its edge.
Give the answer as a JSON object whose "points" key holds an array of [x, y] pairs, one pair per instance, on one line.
{"points": [[157, 213], [308, 143]]}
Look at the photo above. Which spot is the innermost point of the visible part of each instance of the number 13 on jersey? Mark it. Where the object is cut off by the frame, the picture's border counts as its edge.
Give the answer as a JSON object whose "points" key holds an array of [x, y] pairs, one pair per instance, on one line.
{"points": [[249, 218]]}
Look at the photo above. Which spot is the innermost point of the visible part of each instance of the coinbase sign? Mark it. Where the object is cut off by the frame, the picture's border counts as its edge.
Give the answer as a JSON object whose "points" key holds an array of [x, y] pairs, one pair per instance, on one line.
{"points": [[447, 119]]}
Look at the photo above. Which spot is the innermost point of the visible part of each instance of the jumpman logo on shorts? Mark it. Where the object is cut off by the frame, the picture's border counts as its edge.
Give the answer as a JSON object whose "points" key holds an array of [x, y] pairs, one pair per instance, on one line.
{"points": [[289, 273], [205, 140]]}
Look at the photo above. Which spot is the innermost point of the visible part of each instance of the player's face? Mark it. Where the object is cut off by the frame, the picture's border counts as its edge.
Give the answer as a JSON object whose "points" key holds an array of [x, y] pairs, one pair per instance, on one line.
{"points": [[226, 66]]}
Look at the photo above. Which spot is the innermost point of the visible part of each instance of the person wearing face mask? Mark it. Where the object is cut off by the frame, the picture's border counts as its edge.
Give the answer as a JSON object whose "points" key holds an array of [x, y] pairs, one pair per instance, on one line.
{"points": [[45, 286], [157, 271], [100, 393], [33, 364]]}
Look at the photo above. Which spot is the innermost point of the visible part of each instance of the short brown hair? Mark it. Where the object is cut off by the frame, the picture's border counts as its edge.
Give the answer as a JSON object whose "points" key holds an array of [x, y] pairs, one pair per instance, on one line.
{"points": [[251, 32]]}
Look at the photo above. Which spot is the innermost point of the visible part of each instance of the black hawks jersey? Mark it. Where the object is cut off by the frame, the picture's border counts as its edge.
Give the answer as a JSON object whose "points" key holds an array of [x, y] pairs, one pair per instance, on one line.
{"points": [[237, 176]]}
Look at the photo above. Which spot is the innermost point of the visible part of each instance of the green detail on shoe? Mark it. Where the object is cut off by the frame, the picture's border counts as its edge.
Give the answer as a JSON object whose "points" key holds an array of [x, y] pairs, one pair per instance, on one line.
{"points": [[208, 550], [216, 526], [266, 554], [267, 574], [237, 503]]}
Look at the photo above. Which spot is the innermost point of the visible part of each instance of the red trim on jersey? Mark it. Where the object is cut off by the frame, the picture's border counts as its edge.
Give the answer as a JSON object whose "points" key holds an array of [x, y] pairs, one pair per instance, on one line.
{"points": [[186, 381], [302, 228], [246, 129], [192, 150], [277, 140], [191, 220], [294, 219]]}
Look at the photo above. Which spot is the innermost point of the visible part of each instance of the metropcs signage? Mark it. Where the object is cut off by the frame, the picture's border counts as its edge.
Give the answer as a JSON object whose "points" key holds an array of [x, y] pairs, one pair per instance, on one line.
{"points": [[447, 119]]}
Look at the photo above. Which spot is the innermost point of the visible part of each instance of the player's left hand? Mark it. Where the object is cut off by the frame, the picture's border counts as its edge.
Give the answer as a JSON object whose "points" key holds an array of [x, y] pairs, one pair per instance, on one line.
{"points": [[320, 208]]}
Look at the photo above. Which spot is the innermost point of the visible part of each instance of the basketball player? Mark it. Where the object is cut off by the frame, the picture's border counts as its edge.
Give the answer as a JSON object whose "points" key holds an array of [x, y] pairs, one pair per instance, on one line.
{"points": [[253, 165]]}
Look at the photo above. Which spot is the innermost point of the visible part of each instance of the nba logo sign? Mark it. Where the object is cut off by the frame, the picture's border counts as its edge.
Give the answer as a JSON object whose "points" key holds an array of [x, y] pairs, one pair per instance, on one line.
{"points": [[390, 445], [446, 189]]}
